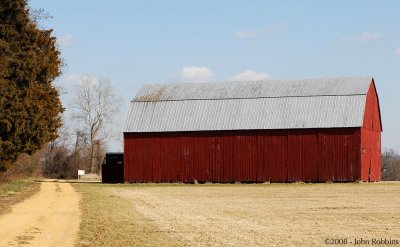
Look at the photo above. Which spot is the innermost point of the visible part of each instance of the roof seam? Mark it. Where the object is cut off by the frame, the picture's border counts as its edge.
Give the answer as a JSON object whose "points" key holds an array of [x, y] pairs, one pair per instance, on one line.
{"points": [[270, 97]]}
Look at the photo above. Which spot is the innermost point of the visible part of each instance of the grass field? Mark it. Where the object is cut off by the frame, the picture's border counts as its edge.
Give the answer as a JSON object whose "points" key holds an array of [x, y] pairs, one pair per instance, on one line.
{"points": [[238, 215], [12, 192]]}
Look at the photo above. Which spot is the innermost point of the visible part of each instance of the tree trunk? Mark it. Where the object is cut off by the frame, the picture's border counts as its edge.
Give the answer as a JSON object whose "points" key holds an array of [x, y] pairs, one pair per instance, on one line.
{"points": [[92, 161]]}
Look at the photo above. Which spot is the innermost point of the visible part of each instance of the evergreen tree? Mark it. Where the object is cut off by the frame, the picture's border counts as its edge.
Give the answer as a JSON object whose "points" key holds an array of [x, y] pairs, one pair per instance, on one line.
{"points": [[30, 105]]}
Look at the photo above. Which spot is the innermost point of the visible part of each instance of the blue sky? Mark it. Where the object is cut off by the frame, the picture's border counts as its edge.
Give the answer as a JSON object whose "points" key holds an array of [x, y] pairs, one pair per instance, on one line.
{"points": [[137, 42]]}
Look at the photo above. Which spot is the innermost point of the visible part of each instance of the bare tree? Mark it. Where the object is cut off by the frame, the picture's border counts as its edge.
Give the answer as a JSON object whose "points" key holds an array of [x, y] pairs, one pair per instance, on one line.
{"points": [[95, 105], [63, 135], [390, 165]]}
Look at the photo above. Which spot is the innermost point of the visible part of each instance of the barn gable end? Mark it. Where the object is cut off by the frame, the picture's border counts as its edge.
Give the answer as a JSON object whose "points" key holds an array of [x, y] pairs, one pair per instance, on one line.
{"points": [[371, 138]]}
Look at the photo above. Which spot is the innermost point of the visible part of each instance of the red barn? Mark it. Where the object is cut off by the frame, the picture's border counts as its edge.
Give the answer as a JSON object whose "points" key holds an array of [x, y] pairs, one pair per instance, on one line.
{"points": [[312, 130]]}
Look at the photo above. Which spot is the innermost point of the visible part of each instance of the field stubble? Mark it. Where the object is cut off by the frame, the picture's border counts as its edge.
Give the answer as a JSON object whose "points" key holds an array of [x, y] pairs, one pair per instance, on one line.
{"points": [[238, 215]]}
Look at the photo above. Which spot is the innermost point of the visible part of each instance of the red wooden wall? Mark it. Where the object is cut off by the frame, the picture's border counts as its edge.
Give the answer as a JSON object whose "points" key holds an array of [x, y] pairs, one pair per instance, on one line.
{"points": [[246, 156], [371, 161]]}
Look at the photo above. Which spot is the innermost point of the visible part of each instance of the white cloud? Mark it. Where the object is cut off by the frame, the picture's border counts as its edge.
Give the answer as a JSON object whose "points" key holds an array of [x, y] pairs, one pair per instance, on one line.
{"points": [[398, 51], [66, 40], [196, 73], [366, 36], [250, 75], [245, 35]]}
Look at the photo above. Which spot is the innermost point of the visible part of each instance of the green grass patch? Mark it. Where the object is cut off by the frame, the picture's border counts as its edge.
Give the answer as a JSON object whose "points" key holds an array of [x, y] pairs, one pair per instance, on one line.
{"points": [[15, 191], [14, 187]]}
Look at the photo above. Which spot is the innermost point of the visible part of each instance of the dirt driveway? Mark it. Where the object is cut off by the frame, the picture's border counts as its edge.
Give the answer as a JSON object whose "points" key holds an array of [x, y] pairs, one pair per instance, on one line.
{"points": [[49, 218]]}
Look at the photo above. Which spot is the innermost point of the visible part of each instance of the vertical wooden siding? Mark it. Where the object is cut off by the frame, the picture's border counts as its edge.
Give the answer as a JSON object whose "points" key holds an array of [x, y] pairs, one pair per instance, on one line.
{"points": [[246, 156], [371, 161]]}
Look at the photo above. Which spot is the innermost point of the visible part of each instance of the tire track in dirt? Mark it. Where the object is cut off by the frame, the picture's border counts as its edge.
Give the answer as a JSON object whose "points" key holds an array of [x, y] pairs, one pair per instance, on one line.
{"points": [[49, 218]]}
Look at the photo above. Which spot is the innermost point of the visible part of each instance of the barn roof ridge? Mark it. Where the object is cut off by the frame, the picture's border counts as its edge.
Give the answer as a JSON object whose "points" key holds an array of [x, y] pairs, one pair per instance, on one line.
{"points": [[336, 86], [262, 80], [276, 97]]}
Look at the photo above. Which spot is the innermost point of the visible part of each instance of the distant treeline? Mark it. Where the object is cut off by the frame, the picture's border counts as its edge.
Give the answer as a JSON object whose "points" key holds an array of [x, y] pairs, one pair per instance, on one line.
{"points": [[390, 165]]}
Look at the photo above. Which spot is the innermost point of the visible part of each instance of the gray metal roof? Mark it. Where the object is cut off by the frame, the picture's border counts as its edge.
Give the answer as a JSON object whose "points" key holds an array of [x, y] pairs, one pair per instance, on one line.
{"points": [[254, 89], [271, 104]]}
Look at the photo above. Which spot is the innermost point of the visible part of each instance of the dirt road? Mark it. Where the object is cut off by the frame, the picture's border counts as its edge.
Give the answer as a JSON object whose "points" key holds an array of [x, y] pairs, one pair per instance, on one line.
{"points": [[48, 218]]}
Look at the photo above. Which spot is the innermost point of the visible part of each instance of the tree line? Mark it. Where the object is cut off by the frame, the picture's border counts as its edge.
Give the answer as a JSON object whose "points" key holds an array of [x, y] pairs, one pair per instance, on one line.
{"points": [[94, 108]]}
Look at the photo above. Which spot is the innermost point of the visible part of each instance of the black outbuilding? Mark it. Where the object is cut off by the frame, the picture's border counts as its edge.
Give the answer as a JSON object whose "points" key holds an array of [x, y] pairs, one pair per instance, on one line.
{"points": [[112, 170]]}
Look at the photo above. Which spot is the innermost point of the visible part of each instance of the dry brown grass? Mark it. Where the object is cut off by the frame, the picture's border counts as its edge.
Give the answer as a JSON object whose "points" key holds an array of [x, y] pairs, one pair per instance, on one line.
{"points": [[12, 192], [238, 215], [111, 220]]}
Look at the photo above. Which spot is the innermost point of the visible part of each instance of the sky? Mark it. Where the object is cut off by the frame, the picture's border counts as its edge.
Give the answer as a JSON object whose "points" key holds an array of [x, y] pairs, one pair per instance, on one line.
{"points": [[136, 42]]}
